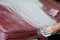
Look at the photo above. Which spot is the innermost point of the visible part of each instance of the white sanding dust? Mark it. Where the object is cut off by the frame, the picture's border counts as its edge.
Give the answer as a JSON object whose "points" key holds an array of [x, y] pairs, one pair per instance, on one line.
{"points": [[31, 10]]}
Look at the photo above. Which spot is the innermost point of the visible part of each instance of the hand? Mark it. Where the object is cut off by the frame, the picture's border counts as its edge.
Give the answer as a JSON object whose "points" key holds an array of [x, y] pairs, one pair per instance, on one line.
{"points": [[51, 30]]}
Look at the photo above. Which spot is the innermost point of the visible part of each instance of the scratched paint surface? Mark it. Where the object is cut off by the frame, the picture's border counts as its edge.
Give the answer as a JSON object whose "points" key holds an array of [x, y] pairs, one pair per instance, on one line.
{"points": [[12, 21], [32, 11]]}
